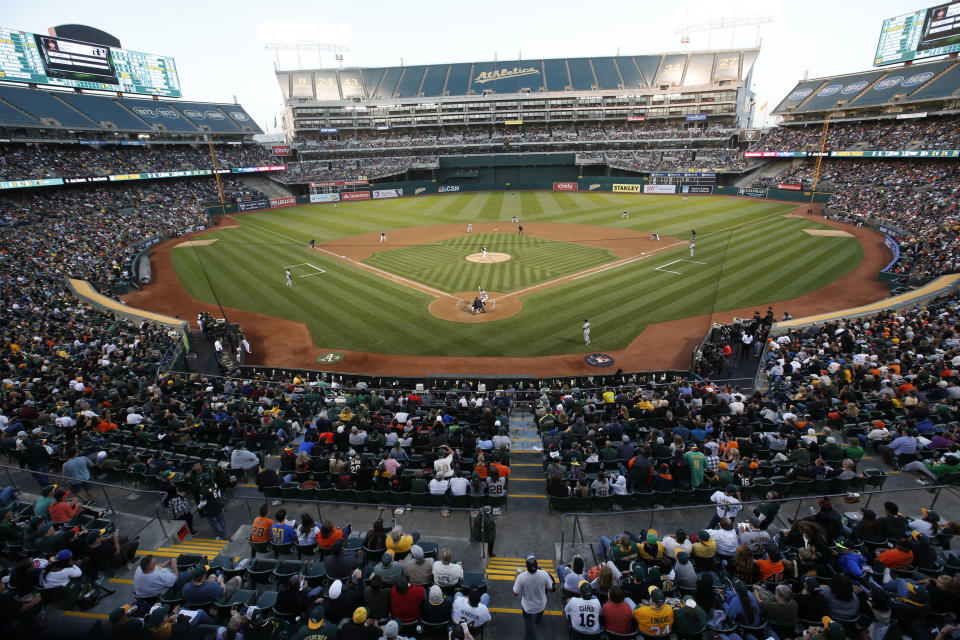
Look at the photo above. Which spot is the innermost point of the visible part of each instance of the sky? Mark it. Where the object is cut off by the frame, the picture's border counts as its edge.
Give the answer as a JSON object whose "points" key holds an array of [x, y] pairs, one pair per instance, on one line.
{"points": [[220, 51]]}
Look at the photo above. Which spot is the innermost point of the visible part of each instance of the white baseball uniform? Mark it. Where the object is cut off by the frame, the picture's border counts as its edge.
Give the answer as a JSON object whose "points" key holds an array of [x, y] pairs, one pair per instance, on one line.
{"points": [[289, 279], [586, 332]]}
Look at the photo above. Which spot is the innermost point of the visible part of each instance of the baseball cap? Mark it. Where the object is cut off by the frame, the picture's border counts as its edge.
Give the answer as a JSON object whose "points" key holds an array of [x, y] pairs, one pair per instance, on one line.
{"points": [[157, 614], [682, 557], [931, 515], [360, 615], [391, 629], [652, 538], [336, 588], [586, 590], [117, 614], [316, 617], [690, 602], [835, 629], [703, 535], [656, 595], [63, 555], [731, 488]]}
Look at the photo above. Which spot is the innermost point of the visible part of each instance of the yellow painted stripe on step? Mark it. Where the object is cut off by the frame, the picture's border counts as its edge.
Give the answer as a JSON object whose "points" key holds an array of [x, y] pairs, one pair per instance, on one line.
{"points": [[87, 614], [162, 554], [525, 464], [121, 580]]}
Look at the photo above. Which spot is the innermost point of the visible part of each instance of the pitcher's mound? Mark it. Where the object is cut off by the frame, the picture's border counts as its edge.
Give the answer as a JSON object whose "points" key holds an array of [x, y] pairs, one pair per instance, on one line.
{"points": [[490, 257]]}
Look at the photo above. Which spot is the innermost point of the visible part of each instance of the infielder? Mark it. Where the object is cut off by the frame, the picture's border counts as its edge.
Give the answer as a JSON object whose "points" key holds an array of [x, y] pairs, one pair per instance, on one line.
{"points": [[483, 248], [469, 227], [693, 245], [520, 229], [289, 278], [624, 215], [514, 219], [383, 237], [586, 331]]}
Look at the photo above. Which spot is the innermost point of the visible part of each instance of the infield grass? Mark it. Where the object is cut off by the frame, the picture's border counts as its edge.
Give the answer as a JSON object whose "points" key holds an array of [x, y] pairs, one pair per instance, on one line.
{"points": [[750, 255]]}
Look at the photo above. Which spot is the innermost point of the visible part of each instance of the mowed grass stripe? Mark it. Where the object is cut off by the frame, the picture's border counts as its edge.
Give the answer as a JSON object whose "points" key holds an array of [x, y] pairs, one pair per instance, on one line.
{"points": [[349, 308]]}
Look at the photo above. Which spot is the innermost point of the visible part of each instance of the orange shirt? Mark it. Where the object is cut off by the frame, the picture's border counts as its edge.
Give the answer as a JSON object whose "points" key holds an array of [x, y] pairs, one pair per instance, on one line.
{"points": [[63, 511], [893, 558], [327, 543], [261, 529], [770, 569]]}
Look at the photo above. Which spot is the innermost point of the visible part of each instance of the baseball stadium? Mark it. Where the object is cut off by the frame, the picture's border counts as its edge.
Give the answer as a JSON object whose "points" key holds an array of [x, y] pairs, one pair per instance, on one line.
{"points": [[578, 347]]}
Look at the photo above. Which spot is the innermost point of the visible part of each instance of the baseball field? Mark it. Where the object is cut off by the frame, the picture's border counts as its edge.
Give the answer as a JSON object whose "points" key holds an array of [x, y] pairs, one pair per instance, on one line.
{"points": [[578, 258]]}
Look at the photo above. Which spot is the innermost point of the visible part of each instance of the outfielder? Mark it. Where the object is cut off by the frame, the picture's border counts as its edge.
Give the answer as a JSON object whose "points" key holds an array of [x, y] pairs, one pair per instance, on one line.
{"points": [[289, 278], [693, 245], [624, 215], [586, 331]]}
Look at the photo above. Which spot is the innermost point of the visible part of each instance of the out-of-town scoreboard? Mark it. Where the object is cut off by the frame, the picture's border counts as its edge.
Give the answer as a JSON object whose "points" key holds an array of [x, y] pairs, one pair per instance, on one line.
{"points": [[40, 59]]}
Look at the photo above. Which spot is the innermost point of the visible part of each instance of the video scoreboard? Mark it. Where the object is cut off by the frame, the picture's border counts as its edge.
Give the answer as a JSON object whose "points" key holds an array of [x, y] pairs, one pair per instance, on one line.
{"points": [[921, 34], [40, 59]]}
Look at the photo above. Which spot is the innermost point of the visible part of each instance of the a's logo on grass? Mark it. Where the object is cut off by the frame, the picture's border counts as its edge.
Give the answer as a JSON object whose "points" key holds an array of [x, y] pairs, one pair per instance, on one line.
{"points": [[330, 357], [598, 360]]}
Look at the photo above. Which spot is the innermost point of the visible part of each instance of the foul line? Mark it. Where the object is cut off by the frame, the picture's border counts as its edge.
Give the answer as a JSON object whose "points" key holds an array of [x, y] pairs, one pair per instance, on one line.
{"points": [[413, 284]]}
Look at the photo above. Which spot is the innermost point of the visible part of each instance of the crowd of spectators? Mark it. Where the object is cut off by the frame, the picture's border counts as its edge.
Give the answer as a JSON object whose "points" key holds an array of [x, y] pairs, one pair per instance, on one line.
{"points": [[354, 169], [35, 160], [485, 135], [918, 199], [934, 132]]}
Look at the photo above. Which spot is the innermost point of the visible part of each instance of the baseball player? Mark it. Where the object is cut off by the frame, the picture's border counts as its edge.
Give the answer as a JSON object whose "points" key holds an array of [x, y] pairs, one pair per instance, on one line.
{"points": [[478, 306], [655, 236], [520, 229], [383, 237], [483, 295], [586, 331], [514, 219], [693, 245], [469, 227], [483, 248], [624, 215], [289, 278], [312, 243], [684, 198]]}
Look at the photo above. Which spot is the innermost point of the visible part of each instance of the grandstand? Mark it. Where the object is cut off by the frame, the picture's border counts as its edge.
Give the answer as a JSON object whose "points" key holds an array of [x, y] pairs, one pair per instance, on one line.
{"points": [[275, 487]]}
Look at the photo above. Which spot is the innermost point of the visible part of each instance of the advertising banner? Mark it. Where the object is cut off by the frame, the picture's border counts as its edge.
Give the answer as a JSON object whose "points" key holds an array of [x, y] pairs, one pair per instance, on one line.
{"points": [[696, 116], [387, 193], [328, 129], [692, 188], [280, 149], [86, 180], [891, 244], [636, 118], [752, 192], [19, 184], [449, 188], [355, 195], [324, 197], [338, 183], [252, 204], [564, 186], [627, 188], [659, 188], [789, 187], [282, 202], [594, 187]]}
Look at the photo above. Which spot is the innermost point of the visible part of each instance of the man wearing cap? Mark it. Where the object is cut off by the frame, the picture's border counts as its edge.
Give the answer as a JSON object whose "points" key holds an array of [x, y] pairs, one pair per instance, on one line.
{"points": [[42, 506], [831, 630], [927, 525], [651, 549], [388, 570], [212, 502], [359, 627], [622, 551], [317, 628], [532, 586], [583, 610], [728, 505], [654, 619], [50, 540], [697, 462], [110, 550], [705, 546], [690, 619]]}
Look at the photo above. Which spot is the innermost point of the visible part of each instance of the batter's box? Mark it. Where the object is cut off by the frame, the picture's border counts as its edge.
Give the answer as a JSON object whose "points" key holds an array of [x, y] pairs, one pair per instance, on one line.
{"points": [[311, 269], [661, 267]]}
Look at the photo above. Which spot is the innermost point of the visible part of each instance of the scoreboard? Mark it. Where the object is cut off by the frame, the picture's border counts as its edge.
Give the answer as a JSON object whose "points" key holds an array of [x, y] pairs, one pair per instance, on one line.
{"points": [[40, 59], [921, 34]]}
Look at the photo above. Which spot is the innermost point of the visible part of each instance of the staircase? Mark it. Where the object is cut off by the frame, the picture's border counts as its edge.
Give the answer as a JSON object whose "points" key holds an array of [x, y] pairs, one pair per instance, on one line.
{"points": [[268, 187]]}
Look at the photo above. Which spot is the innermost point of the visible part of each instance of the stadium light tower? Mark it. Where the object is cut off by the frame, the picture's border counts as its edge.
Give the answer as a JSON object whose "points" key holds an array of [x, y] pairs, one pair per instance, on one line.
{"points": [[305, 45], [722, 24]]}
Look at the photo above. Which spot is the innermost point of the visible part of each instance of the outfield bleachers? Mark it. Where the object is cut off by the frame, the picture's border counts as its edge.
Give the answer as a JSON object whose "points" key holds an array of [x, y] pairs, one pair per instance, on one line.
{"points": [[102, 110], [44, 105]]}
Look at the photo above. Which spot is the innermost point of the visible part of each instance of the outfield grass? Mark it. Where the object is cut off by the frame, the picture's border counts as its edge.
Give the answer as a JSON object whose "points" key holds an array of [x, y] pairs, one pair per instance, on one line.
{"points": [[752, 256]]}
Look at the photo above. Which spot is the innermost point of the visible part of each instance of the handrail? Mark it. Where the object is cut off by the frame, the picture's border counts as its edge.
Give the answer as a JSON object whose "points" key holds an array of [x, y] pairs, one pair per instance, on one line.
{"points": [[798, 499], [63, 480]]}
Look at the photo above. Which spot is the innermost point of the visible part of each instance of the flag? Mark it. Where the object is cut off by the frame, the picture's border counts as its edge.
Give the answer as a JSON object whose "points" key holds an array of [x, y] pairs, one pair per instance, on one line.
{"points": [[753, 101], [764, 105]]}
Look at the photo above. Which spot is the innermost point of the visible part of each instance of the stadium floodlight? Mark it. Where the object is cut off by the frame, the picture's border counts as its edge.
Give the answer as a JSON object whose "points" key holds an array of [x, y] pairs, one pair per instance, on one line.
{"points": [[721, 24], [305, 45]]}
